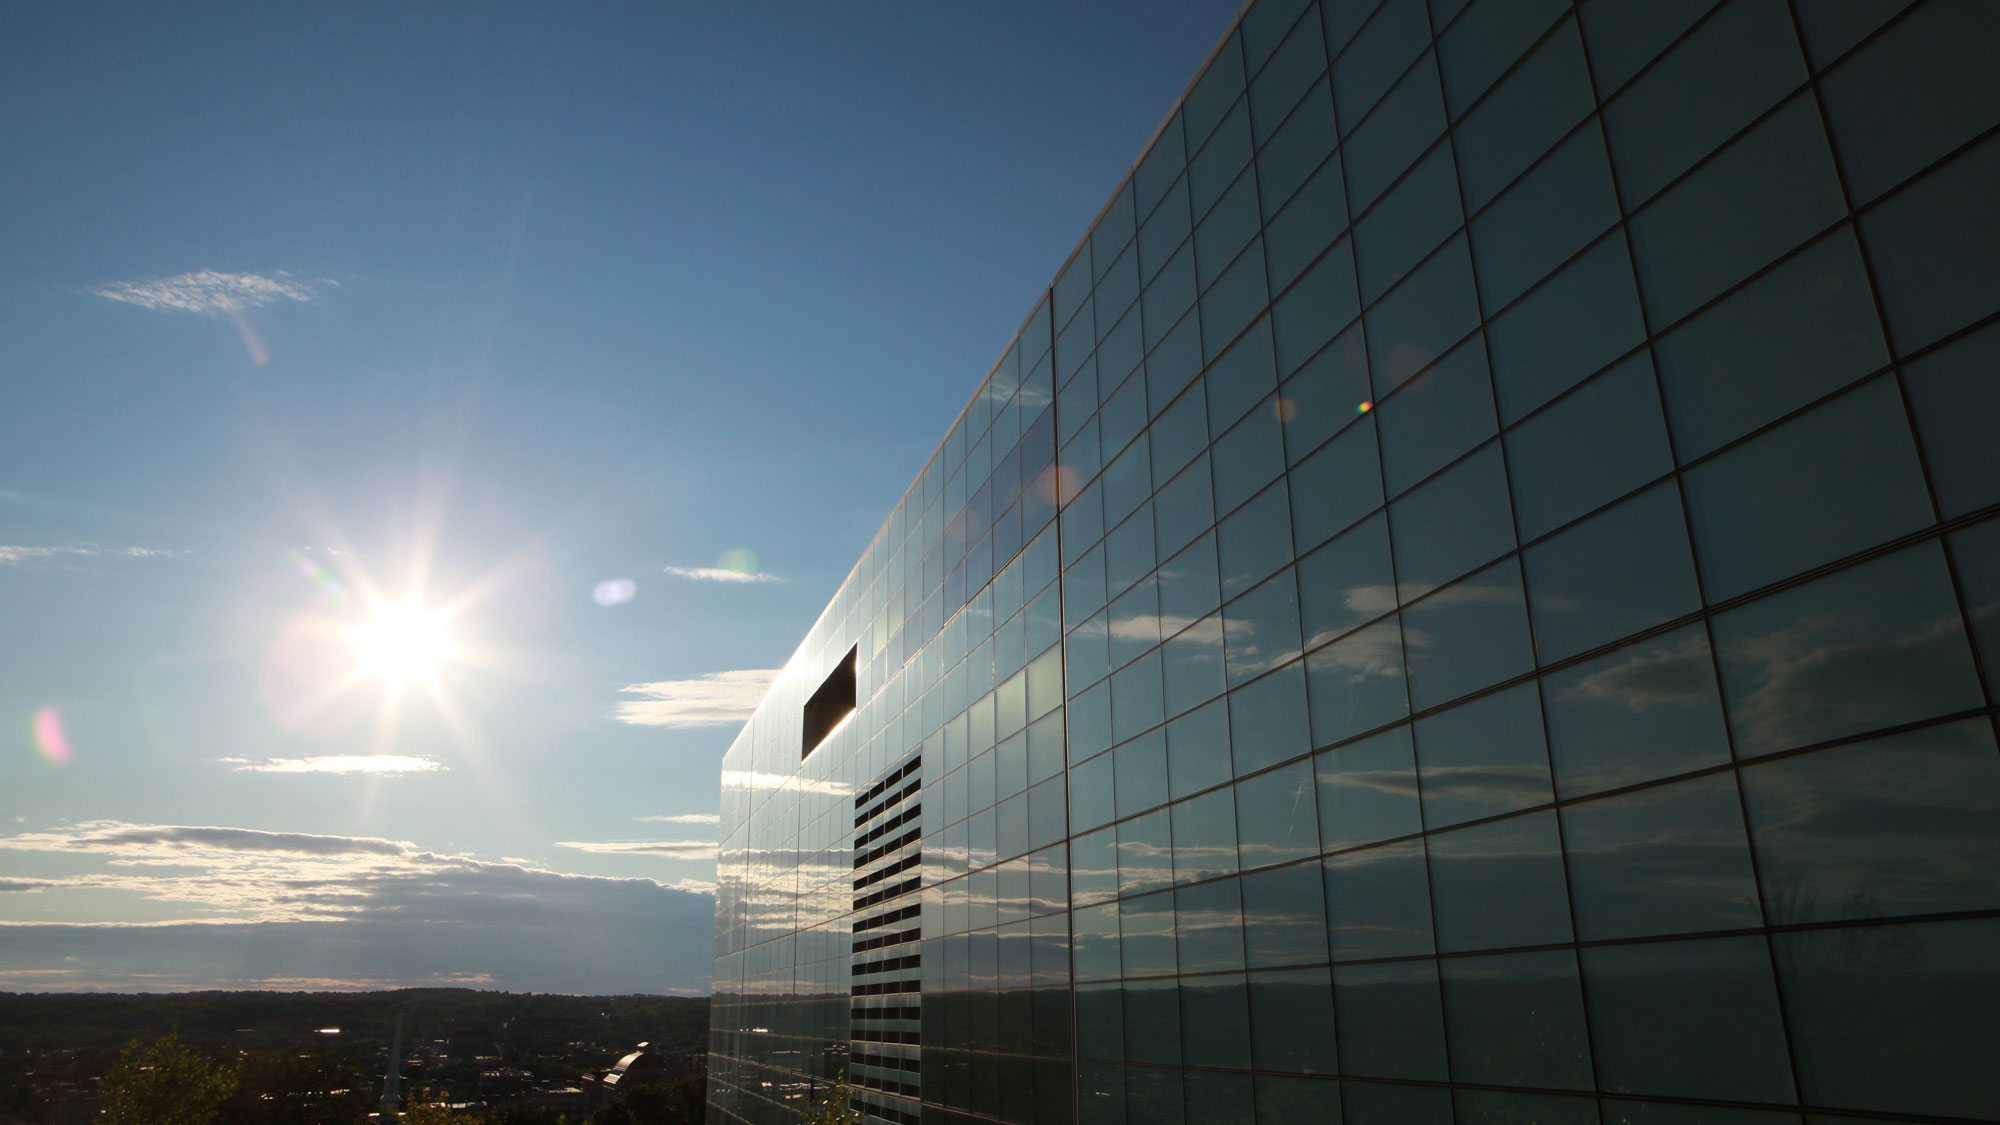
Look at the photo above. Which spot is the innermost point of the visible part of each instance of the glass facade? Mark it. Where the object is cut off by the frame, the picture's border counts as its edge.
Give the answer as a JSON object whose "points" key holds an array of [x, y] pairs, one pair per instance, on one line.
{"points": [[1474, 596]]}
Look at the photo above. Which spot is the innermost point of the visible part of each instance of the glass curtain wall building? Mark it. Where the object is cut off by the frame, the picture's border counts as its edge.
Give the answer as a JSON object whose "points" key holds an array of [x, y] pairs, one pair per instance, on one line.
{"points": [[1473, 596]]}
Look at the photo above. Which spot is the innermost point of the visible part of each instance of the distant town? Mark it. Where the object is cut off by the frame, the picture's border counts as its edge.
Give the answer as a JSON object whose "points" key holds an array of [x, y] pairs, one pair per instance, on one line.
{"points": [[416, 1055]]}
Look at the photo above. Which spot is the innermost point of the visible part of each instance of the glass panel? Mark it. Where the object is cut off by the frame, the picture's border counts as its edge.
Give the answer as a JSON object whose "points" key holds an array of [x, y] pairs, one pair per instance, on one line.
{"points": [[1152, 1030], [1976, 552], [1323, 302], [1337, 485], [1236, 299], [1185, 507], [1870, 647], [1955, 397], [1141, 773], [1284, 917], [1587, 449], [1500, 884], [1158, 169], [1933, 246], [1316, 216], [1374, 1103], [1517, 1020], [1524, 116], [1292, 67], [1615, 574], [1431, 310], [1498, 1107], [1908, 824], [1483, 43], [1483, 758], [1210, 925], [1190, 586], [1624, 35], [1267, 720], [1400, 129], [1580, 320], [1713, 83], [1922, 89], [1091, 800], [1282, 1100], [1696, 1019], [1408, 223], [1437, 416], [1198, 749], [1325, 396], [1261, 628], [1248, 457], [1276, 821], [1214, 92], [1291, 1017], [1643, 712], [1378, 55], [1895, 1018], [1298, 147], [1164, 231], [1356, 683], [1136, 702], [1837, 480], [1243, 378], [1215, 1021], [1133, 623], [1095, 946], [1224, 1098], [1094, 865], [1145, 864], [1226, 229], [1455, 522], [1214, 168], [1672, 859], [1346, 583], [1205, 836], [1801, 331], [1368, 790], [1169, 295], [1391, 1025], [1466, 636], [1553, 212], [1192, 664], [1764, 194], [1831, 30], [1378, 902], [1255, 540]]}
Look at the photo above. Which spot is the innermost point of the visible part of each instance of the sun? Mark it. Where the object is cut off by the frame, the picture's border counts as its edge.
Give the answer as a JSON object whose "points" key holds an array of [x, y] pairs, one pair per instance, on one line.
{"points": [[402, 642]]}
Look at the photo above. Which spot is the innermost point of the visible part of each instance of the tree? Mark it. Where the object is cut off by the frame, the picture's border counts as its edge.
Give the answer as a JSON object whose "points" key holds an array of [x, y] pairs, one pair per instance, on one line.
{"points": [[835, 1106], [165, 1082]]}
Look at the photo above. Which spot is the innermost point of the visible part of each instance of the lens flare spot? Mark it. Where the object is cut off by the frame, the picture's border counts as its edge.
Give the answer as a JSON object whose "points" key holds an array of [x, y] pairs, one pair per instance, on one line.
{"points": [[614, 591], [1364, 408], [50, 741], [742, 560], [1285, 409], [317, 574]]}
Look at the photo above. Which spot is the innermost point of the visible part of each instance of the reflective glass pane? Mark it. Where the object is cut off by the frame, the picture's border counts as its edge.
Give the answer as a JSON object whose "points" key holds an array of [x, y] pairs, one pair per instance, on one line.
{"points": [[1377, 1103], [1423, 317], [1152, 1035], [1483, 758], [1214, 92], [1591, 447], [1391, 1025], [1136, 702], [1191, 663], [1487, 40], [1500, 884], [1837, 480], [1368, 790], [1198, 749], [1185, 506], [1466, 636], [1190, 586], [1238, 297], [1210, 925], [1671, 859], [1401, 127], [1578, 321], [1801, 331], [1896, 1019], [1325, 396], [1409, 222], [1922, 89], [1346, 583], [1316, 215], [1222, 156], [1204, 836], [1356, 683], [1248, 457], [1500, 1107], [1932, 246], [1436, 416], [1282, 1099], [1646, 711], [1284, 917], [1554, 211], [1141, 773], [1955, 396], [1687, 1019], [1337, 485], [1764, 194], [1324, 301], [1276, 821], [1516, 1019], [1378, 55], [1976, 553], [1145, 864], [1625, 35], [1868, 647], [1215, 1021], [1267, 720], [1615, 574], [1292, 1025], [1293, 66], [1711, 84], [1525, 115], [1455, 522], [1378, 902], [1255, 540], [1261, 628], [1908, 824], [1296, 150], [1226, 1098], [1226, 229]]}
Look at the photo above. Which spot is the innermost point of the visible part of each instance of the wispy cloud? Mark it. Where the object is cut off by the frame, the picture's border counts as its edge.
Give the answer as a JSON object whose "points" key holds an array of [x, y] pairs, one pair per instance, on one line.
{"points": [[683, 818], [19, 554], [385, 764], [719, 574], [668, 849], [211, 291], [715, 699]]}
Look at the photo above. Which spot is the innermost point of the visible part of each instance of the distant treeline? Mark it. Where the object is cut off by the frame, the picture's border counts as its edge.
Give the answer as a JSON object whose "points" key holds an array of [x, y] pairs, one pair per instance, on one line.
{"points": [[474, 1022]]}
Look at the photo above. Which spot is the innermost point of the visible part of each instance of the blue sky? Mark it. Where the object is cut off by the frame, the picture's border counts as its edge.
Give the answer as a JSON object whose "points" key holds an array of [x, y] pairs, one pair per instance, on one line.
{"points": [[306, 308]]}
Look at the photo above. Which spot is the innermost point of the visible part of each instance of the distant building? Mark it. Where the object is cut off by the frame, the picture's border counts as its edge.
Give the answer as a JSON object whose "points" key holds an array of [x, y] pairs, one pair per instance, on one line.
{"points": [[1474, 595]]}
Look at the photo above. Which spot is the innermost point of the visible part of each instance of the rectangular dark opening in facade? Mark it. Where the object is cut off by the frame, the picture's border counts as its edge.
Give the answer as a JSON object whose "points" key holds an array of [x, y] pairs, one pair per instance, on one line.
{"points": [[833, 702]]}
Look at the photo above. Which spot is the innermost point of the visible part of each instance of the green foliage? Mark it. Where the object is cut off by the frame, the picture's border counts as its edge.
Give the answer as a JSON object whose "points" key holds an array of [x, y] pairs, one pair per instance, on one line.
{"points": [[835, 1106], [165, 1082]]}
